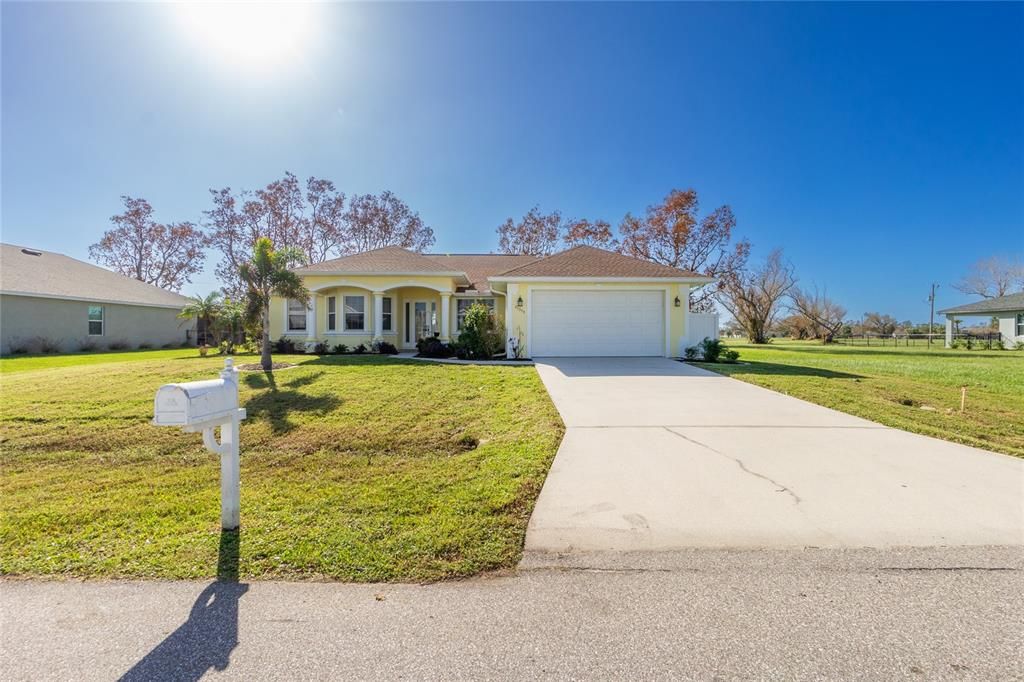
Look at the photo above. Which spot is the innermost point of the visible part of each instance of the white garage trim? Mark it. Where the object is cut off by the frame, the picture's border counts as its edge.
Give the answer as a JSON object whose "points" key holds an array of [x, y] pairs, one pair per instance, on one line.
{"points": [[666, 306]]}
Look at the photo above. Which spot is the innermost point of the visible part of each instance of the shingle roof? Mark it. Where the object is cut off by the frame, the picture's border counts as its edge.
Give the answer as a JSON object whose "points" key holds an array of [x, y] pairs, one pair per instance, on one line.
{"points": [[478, 267], [389, 259], [590, 261], [33, 272], [1001, 304]]}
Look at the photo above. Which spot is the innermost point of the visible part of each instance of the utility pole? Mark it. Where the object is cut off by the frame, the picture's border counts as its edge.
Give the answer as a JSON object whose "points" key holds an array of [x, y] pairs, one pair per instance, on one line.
{"points": [[931, 316]]}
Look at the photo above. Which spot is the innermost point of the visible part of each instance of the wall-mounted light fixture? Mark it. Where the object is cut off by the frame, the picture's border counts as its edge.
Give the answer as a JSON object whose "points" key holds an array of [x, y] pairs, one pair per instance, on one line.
{"points": [[678, 302], [519, 303]]}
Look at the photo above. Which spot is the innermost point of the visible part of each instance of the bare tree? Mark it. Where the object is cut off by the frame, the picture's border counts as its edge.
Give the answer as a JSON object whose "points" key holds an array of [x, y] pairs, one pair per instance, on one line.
{"points": [[825, 314], [374, 221], [139, 247], [879, 323], [583, 232], [671, 233], [754, 296], [993, 277], [536, 234]]}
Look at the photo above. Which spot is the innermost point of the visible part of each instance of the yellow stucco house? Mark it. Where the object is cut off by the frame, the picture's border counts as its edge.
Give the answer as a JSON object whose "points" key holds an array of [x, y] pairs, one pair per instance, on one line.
{"points": [[583, 301]]}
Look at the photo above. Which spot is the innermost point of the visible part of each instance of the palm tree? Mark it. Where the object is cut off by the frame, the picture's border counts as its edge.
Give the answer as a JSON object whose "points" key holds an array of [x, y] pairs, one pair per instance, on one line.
{"points": [[205, 309], [231, 319], [265, 276]]}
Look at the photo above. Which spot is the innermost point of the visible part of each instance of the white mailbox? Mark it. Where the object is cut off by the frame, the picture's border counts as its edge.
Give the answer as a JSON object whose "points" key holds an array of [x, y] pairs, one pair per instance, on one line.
{"points": [[195, 403], [205, 406]]}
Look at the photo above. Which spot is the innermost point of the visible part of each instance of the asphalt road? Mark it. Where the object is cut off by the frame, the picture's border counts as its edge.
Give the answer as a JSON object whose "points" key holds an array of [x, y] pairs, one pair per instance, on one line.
{"points": [[955, 613]]}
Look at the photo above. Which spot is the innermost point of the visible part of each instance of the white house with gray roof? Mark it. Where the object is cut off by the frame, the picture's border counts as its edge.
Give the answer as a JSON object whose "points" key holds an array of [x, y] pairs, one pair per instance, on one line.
{"points": [[51, 299], [1009, 311]]}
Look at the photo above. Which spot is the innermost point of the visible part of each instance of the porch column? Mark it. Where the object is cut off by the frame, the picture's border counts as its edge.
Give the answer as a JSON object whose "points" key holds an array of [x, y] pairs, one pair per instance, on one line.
{"points": [[949, 331], [378, 315], [446, 309], [311, 318]]}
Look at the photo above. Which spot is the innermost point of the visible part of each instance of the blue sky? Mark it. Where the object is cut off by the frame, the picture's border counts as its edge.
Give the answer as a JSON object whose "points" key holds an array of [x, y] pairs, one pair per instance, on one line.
{"points": [[881, 146]]}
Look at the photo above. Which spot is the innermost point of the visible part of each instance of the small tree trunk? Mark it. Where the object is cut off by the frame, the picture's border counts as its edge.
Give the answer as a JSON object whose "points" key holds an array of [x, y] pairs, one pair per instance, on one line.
{"points": [[265, 360]]}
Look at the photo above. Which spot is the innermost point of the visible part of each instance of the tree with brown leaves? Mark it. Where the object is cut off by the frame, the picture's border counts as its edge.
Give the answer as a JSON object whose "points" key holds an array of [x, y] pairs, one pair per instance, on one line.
{"points": [[583, 232], [139, 247], [993, 277], [310, 222], [671, 233], [375, 221], [754, 296], [825, 314], [536, 234]]}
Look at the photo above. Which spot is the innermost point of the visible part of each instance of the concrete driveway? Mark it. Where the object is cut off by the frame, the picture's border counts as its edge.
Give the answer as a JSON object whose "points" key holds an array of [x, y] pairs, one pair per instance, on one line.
{"points": [[660, 455]]}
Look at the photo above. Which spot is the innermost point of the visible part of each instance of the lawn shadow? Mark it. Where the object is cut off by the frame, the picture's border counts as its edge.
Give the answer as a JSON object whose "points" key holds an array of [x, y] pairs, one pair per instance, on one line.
{"points": [[771, 368], [278, 402], [204, 641]]}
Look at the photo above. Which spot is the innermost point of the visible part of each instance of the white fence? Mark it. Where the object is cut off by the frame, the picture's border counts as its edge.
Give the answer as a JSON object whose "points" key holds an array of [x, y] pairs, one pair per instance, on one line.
{"points": [[700, 326]]}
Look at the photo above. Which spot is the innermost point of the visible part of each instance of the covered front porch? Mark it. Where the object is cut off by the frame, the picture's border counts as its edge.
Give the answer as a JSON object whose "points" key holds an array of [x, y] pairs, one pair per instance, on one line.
{"points": [[352, 313]]}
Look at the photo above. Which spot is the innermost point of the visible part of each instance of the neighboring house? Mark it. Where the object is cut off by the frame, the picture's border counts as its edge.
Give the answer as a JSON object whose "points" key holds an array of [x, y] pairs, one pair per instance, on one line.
{"points": [[48, 298], [1009, 310], [582, 301]]}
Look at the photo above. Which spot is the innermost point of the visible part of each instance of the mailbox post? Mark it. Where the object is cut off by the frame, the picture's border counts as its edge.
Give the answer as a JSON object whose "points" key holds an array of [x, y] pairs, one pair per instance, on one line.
{"points": [[202, 406]]}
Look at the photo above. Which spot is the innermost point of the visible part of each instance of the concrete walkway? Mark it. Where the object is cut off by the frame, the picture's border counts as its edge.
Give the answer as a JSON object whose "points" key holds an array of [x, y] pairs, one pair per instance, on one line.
{"points": [[660, 455]]}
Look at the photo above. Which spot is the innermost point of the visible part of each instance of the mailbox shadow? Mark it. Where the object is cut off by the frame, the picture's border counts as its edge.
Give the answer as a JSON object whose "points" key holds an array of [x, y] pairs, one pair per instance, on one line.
{"points": [[205, 641], [278, 402]]}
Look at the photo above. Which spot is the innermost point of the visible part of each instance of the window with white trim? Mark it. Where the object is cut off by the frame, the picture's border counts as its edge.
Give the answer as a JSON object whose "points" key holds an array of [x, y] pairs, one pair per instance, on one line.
{"points": [[332, 313], [1020, 324], [464, 304], [296, 316], [95, 320], [355, 313], [385, 311]]}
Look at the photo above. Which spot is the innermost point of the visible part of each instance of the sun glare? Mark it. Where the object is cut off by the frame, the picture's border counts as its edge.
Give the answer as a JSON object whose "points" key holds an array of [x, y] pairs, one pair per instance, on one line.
{"points": [[249, 33]]}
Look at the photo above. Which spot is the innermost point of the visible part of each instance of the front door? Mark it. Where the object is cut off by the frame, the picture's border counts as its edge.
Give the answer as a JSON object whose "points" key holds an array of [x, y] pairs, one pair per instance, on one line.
{"points": [[420, 321]]}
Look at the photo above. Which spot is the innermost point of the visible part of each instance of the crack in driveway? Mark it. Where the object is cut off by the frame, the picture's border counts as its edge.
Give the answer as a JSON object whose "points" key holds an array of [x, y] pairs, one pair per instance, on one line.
{"points": [[740, 464]]}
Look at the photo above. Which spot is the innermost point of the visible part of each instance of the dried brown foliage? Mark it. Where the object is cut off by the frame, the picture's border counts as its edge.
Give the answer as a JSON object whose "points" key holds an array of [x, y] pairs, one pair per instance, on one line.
{"points": [[139, 247]]}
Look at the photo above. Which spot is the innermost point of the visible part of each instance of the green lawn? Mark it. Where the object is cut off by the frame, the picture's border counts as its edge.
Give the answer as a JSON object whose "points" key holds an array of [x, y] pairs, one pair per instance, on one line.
{"points": [[892, 385], [353, 468]]}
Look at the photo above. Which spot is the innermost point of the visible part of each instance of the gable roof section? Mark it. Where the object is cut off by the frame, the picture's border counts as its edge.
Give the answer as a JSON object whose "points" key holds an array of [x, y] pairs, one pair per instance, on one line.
{"points": [[590, 261], [54, 275], [478, 267], [1003, 304], [389, 260]]}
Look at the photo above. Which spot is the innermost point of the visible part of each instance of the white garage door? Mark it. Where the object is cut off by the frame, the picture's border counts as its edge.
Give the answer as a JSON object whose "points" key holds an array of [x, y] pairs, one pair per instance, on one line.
{"points": [[567, 323]]}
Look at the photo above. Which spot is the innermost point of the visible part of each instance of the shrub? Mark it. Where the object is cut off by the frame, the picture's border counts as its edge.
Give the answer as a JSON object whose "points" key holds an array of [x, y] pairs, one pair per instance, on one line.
{"points": [[478, 340], [18, 347], [433, 348], [360, 349], [1018, 345], [119, 344], [88, 346], [711, 349], [167, 346], [145, 345], [384, 348], [340, 348], [284, 345], [321, 348]]}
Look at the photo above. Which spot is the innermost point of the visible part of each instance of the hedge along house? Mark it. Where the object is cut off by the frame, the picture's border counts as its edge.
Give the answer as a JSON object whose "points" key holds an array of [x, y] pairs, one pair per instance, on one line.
{"points": [[49, 299], [1008, 311], [582, 301]]}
